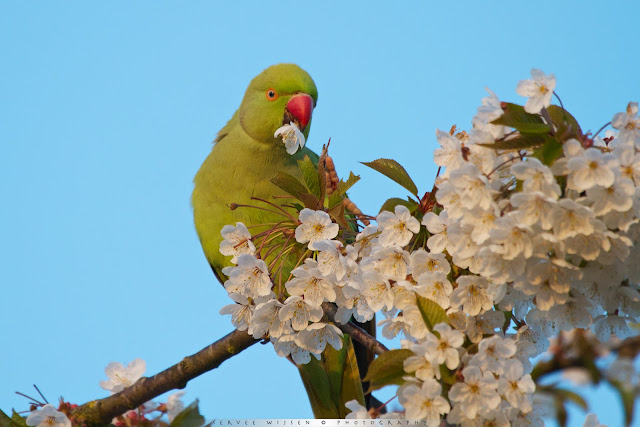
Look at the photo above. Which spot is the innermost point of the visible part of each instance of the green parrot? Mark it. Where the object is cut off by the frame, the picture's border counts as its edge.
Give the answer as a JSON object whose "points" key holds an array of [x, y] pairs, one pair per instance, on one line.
{"points": [[244, 158]]}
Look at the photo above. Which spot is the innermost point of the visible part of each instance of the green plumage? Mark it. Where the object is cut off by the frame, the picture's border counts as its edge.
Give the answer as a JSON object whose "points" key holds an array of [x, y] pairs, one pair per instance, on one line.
{"points": [[244, 158]]}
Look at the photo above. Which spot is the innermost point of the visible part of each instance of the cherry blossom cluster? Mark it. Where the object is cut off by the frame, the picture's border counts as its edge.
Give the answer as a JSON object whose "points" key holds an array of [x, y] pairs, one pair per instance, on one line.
{"points": [[378, 274], [556, 244], [511, 241]]}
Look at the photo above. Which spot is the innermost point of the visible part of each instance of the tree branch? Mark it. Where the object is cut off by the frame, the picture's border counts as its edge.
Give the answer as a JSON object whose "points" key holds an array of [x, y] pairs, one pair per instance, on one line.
{"points": [[356, 332], [584, 357], [101, 412]]}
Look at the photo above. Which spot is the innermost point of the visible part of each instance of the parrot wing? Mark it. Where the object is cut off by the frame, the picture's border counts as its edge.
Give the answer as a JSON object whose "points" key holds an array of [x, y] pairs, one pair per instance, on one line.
{"points": [[233, 121]]}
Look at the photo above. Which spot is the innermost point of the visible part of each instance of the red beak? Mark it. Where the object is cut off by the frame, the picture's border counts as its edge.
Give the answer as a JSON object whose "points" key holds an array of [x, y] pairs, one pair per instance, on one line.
{"points": [[300, 106]]}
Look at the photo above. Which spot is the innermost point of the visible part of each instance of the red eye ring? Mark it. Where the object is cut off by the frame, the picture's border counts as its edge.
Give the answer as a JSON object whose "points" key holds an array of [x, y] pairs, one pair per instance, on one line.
{"points": [[272, 95]]}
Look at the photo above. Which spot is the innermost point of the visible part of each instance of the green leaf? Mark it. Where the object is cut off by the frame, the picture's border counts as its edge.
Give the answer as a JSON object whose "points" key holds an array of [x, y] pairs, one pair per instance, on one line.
{"points": [[391, 204], [5, 421], [342, 369], [520, 142], [572, 397], [627, 397], [549, 152], [18, 420], [387, 369], [343, 186], [561, 411], [337, 196], [395, 171], [310, 175], [337, 213], [189, 417], [514, 116], [431, 312], [316, 382], [295, 188], [289, 184], [447, 376], [567, 126]]}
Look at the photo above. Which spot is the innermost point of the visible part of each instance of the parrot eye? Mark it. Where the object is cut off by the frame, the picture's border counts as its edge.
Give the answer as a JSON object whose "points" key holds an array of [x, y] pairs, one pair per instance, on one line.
{"points": [[272, 95]]}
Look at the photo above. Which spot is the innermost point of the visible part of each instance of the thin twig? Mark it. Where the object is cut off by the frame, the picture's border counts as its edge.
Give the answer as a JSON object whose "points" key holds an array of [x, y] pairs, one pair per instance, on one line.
{"points": [[601, 129]]}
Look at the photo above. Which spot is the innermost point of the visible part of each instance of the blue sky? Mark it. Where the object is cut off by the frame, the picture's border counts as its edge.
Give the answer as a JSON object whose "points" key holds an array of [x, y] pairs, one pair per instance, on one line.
{"points": [[108, 109]]}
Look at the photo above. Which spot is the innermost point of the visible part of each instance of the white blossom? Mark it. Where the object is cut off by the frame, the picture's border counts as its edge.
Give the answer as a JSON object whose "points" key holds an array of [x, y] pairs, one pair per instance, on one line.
{"points": [[241, 312], [536, 177], [424, 402], [628, 125], [314, 227], [249, 278], [436, 287], [291, 137], [312, 284], [174, 404], [477, 392], [121, 377], [609, 326], [397, 228], [286, 345], [237, 241], [449, 155], [570, 219], [492, 354], [516, 387], [391, 262], [437, 226], [358, 412], [377, 291], [47, 416], [473, 294], [266, 318], [331, 262], [316, 336], [428, 262], [300, 312], [591, 168], [538, 89], [483, 324], [422, 363], [444, 348], [468, 185]]}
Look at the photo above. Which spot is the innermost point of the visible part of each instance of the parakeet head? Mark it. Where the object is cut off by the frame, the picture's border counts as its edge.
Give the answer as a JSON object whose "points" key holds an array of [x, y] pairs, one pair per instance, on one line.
{"points": [[283, 93]]}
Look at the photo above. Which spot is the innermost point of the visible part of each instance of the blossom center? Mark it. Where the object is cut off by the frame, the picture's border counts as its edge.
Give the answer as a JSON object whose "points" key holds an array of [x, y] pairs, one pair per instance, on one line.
{"points": [[124, 381]]}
